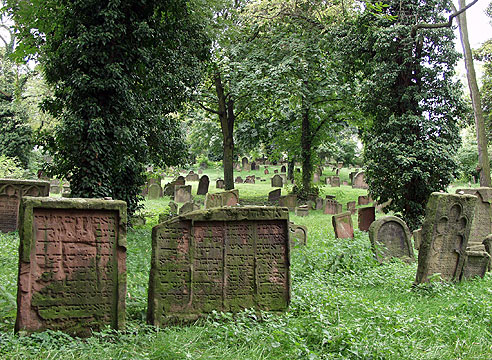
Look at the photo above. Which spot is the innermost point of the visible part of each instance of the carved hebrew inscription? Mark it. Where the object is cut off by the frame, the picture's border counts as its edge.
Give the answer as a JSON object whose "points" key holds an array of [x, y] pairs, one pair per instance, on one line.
{"points": [[70, 282], [218, 265], [8, 212]]}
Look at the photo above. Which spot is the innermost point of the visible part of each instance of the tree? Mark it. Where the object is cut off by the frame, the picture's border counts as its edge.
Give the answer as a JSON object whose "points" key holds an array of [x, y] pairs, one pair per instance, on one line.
{"points": [[119, 69], [406, 91]]}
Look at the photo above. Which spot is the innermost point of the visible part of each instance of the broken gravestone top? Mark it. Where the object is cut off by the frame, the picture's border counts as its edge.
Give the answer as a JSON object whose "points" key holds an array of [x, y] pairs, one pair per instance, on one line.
{"points": [[222, 259], [445, 234], [225, 198], [390, 237], [342, 224], [72, 272]]}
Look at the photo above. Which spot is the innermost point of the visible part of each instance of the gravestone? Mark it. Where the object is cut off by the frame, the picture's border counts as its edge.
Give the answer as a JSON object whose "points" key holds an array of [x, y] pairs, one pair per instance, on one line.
{"points": [[358, 182], [363, 200], [244, 162], [55, 188], [226, 198], [390, 237], [182, 193], [72, 269], [173, 207], [302, 210], [417, 238], [328, 180], [274, 195], [316, 178], [345, 183], [342, 224], [277, 181], [224, 259], [200, 171], [332, 207], [288, 201], [319, 203], [477, 263], [11, 192], [365, 217], [250, 179], [188, 207], [266, 172], [445, 235], [192, 176], [283, 169], [239, 180], [275, 171], [335, 181], [154, 192], [253, 166], [219, 184], [351, 207], [180, 180], [169, 188], [297, 235], [203, 185]]}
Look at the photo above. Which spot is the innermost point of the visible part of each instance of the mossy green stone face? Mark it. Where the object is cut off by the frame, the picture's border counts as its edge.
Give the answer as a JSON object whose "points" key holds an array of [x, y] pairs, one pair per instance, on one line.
{"points": [[72, 273], [223, 259]]}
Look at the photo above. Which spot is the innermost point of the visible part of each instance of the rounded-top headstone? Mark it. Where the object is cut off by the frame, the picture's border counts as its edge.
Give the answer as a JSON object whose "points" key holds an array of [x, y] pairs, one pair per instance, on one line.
{"points": [[390, 237]]}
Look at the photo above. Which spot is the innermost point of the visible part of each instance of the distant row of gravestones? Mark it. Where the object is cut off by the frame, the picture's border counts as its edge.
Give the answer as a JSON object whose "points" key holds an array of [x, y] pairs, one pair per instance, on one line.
{"points": [[72, 256]]}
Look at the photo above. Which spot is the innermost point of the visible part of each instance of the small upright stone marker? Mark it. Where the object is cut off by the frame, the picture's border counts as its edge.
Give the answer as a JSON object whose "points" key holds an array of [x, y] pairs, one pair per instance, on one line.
{"points": [[11, 192], [192, 176], [219, 184], [154, 191], [239, 180], [342, 224], [391, 233], [366, 217], [445, 235], [363, 200], [297, 234], [203, 185], [335, 181], [351, 207], [182, 193], [302, 210], [332, 207], [188, 207], [274, 195], [277, 181], [359, 181], [283, 169], [224, 259], [72, 272]]}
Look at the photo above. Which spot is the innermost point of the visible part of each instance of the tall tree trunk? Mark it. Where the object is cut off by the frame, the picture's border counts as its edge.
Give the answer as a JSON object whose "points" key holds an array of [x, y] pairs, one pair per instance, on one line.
{"points": [[290, 169], [483, 156], [226, 116], [307, 170]]}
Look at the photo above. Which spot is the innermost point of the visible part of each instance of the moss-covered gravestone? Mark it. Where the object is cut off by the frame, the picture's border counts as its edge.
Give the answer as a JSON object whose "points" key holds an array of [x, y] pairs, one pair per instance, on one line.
{"points": [[298, 235], [445, 236], [342, 224], [390, 237], [277, 181], [154, 191], [225, 198], [182, 193], [222, 259], [11, 191], [335, 181], [219, 184], [288, 201], [72, 272]]}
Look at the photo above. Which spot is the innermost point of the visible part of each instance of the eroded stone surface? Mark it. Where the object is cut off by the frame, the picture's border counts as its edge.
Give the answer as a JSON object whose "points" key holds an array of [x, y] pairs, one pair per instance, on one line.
{"points": [[363, 200], [365, 217], [11, 191], [203, 185], [359, 182], [298, 235], [302, 210], [154, 191], [332, 207], [351, 207], [445, 235], [188, 207], [219, 184], [342, 224], [335, 181], [288, 201], [482, 221], [182, 193], [277, 181], [274, 195], [226, 198], [223, 259], [390, 237], [72, 272]]}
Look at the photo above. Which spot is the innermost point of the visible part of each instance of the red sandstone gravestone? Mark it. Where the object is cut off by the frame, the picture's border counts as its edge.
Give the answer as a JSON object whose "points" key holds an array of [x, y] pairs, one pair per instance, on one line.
{"points": [[225, 198], [72, 272], [11, 191], [223, 259], [365, 217], [342, 224]]}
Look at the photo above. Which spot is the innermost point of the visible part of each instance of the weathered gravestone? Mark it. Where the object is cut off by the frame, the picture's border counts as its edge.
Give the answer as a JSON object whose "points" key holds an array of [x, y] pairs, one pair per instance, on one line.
{"points": [[390, 237], [342, 224], [297, 235], [332, 207], [180, 180], [225, 259], [72, 270], [182, 193], [365, 217], [277, 181], [302, 210], [319, 203], [244, 163], [359, 182], [226, 198], [11, 191], [476, 264], [283, 169], [154, 191], [328, 180], [345, 183], [203, 185], [219, 184], [266, 172], [445, 235], [250, 179], [239, 180], [192, 176], [275, 171], [200, 171], [316, 178], [288, 201], [363, 200], [253, 166], [55, 186], [188, 207], [351, 207], [274, 195], [335, 181], [284, 179], [417, 238]]}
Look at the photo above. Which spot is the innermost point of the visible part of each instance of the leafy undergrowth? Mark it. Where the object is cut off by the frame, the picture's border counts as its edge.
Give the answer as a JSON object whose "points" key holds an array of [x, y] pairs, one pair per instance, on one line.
{"points": [[344, 306]]}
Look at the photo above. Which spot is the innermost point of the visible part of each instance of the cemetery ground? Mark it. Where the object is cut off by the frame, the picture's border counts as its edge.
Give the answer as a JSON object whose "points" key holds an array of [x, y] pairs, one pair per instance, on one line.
{"points": [[344, 305]]}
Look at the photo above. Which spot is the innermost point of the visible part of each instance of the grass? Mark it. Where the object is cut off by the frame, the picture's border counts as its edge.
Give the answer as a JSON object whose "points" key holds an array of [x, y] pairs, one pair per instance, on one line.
{"points": [[344, 306]]}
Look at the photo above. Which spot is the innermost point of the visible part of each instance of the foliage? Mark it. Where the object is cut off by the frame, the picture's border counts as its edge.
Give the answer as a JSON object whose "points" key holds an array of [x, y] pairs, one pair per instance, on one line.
{"points": [[119, 70], [406, 89], [10, 168]]}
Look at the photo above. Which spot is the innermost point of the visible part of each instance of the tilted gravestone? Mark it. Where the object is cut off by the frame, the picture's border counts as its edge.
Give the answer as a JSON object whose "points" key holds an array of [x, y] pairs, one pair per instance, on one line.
{"points": [[365, 217], [335, 181], [226, 198], [182, 193], [239, 180], [72, 270], [203, 185], [277, 181], [188, 207], [351, 207], [445, 235], [390, 237], [224, 259], [11, 192], [359, 181], [297, 235], [363, 200], [342, 224], [288, 201], [332, 207], [219, 184], [154, 192], [274, 195]]}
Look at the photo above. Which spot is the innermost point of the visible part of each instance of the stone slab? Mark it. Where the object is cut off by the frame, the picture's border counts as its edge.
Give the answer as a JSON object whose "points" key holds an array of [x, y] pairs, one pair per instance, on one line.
{"points": [[365, 217], [342, 224], [391, 238], [225, 198]]}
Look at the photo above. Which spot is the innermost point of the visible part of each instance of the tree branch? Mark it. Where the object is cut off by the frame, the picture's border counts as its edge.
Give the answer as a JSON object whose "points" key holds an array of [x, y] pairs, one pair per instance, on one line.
{"points": [[206, 108], [416, 27]]}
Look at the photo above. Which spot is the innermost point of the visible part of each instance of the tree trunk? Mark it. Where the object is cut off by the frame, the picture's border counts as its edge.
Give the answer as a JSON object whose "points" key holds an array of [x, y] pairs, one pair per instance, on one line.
{"points": [[290, 169], [483, 156], [307, 170], [226, 116]]}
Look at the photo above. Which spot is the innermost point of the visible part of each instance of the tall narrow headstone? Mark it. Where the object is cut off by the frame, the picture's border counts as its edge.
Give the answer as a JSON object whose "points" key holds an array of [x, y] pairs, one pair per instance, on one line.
{"points": [[351, 207], [203, 185], [366, 217], [72, 271], [342, 224], [283, 169], [154, 191], [253, 166], [390, 237], [221, 260]]}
